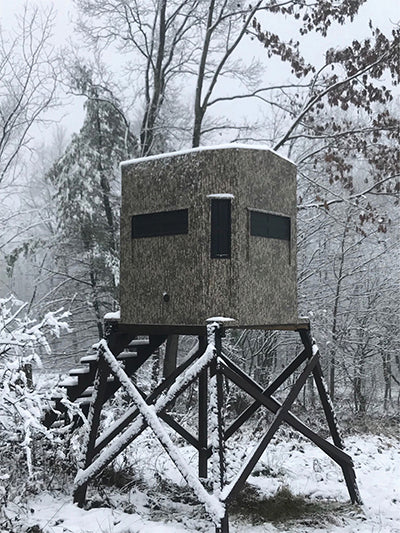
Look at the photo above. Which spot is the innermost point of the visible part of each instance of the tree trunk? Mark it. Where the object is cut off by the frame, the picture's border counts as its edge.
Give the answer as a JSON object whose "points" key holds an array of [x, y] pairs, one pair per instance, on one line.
{"points": [[332, 370], [198, 108], [387, 376], [154, 104]]}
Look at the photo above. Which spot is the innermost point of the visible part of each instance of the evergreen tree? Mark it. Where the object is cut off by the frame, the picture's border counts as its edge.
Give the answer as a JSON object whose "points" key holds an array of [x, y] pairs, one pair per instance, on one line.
{"points": [[86, 180]]}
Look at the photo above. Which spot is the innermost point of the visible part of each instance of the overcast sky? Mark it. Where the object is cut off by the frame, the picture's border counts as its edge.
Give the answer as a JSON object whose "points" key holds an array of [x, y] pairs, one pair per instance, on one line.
{"points": [[383, 13]]}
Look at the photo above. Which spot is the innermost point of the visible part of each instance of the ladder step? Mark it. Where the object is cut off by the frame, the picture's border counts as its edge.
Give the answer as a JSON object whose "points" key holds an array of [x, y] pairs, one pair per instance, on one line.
{"points": [[139, 342], [79, 371], [69, 382], [126, 355], [89, 358]]}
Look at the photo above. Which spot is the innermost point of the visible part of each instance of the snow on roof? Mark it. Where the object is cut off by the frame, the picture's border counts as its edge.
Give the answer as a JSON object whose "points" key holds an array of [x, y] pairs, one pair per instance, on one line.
{"points": [[220, 319], [220, 196], [203, 149]]}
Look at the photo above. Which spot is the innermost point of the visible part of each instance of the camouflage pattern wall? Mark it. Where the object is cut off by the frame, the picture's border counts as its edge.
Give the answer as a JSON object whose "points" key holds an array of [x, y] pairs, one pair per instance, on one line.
{"points": [[172, 279]]}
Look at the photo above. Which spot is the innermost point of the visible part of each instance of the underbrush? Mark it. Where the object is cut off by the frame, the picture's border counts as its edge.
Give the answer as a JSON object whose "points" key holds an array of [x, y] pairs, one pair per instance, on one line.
{"points": [[373, 423], [143, 482], [162, 500], [53, 470], [140, 481]]}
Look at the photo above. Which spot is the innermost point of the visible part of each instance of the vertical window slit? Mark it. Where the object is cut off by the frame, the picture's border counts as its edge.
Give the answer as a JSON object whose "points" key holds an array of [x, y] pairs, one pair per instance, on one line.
{"points": [[220, 228]]}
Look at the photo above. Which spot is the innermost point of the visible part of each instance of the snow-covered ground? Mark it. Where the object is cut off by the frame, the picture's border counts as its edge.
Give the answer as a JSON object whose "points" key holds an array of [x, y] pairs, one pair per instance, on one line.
{"points": [[298, 465]]}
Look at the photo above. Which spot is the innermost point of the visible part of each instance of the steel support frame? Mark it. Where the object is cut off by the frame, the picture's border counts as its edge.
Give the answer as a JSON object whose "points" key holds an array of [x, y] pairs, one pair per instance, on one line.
{"points": [[210, 381]]}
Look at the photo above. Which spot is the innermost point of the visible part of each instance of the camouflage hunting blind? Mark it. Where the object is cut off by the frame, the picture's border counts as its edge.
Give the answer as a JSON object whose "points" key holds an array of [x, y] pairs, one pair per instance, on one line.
{"points": [[209, 232]]}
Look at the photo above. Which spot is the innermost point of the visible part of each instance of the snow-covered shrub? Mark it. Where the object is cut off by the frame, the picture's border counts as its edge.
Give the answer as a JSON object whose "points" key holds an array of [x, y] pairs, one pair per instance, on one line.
{"points": [[22, 340]]}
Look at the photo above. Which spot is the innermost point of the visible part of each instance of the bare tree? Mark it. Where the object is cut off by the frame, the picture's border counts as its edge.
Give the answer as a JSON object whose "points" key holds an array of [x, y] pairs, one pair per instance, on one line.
{"points": [[173, 43], [348, 257], [157, 38], [225, 27], [28, 78]]}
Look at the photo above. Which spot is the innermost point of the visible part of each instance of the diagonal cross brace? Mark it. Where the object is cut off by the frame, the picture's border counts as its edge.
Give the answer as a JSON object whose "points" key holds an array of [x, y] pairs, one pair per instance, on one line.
{"points": [[252, 388], [140, 425], [123, 422], [251, 409], [233, 488], [149, 416]]}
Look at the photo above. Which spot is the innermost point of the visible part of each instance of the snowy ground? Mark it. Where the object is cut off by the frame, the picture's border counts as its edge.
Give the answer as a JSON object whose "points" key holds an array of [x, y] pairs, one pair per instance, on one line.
{"points": [[296, 464]]}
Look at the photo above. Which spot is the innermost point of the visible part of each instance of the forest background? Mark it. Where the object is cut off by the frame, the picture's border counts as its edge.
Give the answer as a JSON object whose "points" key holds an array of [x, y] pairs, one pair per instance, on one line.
{"points": [[317, 82]]}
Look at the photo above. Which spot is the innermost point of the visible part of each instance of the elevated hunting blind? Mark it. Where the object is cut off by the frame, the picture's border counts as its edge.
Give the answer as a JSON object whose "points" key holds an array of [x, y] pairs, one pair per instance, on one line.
{"points": [[209, 232], [205, 233]]}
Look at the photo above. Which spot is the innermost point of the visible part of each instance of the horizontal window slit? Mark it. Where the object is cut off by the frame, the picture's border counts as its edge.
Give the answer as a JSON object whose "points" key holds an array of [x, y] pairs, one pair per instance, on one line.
{"points": [[269, 225], [161, 223]]}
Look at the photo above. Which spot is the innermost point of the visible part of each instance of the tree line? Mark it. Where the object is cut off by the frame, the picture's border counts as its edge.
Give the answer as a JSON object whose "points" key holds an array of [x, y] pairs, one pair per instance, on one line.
{"points": [[184, 73]]}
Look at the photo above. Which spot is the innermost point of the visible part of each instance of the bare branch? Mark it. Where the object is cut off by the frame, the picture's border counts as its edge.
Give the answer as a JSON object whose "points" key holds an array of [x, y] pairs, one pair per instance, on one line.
{"points": [[318, 97]]}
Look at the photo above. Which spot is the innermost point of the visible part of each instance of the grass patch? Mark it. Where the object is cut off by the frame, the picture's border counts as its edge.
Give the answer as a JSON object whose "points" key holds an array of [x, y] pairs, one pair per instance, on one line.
{"points": [[283, 507]]}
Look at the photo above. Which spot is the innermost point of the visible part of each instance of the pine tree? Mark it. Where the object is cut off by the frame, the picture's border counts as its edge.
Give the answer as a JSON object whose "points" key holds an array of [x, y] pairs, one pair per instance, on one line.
{"points": [[86, 180]]}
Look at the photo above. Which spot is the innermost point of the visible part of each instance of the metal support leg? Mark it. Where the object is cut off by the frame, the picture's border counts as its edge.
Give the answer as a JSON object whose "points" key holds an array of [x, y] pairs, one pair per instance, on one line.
{"points": [[203, 417], [223, 527], [100, 385], [347, 469], [171, 354], [255, 455]]}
